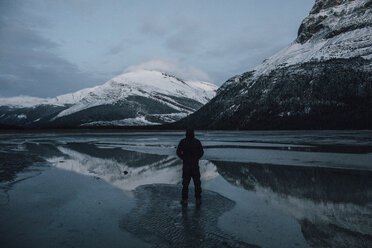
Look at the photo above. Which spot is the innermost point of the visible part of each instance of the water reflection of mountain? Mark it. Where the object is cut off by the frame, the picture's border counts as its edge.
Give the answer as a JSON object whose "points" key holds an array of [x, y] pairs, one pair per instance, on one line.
{"points": [[331, 235], [123, 168], [130, 158], [333, 206], [314, 183]]}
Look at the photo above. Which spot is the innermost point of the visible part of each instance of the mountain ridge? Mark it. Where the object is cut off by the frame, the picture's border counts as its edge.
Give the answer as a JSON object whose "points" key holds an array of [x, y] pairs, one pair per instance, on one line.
{"points": [[319, 81], [136, 98]]}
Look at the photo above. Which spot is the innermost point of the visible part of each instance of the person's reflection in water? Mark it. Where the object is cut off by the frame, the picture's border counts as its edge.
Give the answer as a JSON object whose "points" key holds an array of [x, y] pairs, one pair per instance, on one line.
{"points": [[190, 151], [194, 233]]}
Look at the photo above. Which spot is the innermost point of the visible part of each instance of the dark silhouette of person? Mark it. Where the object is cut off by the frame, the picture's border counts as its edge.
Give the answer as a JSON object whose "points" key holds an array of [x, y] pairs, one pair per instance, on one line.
{"points": [[190, 150]]}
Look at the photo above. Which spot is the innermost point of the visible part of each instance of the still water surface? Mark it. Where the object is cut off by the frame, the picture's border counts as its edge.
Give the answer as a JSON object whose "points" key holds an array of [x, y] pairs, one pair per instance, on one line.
{"points": [[261, 189]]}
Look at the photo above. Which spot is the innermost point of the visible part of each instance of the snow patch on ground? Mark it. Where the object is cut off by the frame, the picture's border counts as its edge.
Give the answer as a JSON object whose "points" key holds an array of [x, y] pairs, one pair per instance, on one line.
{"points": [[170, 117], [138, 121]]}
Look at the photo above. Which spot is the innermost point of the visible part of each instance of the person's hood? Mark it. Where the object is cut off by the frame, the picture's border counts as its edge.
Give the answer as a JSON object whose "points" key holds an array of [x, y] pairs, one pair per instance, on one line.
{"points": [[190, 133]]}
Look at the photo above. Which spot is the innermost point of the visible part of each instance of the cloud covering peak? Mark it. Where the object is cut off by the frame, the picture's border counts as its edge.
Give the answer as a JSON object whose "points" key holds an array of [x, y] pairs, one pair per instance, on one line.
{"points": [[173, 67]]}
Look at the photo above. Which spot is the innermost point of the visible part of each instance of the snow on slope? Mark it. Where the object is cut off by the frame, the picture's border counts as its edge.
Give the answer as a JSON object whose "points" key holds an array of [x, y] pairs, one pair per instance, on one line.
{"points": [[139, 83], [206, 89], [145, 82], [23, 101], [29, 101], [138, 121], [340, 31], [150, 84]]}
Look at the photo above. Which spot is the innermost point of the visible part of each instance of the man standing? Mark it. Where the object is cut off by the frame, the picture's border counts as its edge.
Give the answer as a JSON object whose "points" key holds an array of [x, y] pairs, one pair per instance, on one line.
{"points": [[190, 151]]}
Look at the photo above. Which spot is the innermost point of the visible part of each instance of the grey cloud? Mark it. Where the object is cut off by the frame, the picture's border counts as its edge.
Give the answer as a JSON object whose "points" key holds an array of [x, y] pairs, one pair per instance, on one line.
{"points": [[187, 37], [117, 48], [122, 46], [172, 66], [151, 26], [239, 53], [28, 65], [184, 41], [238, 46], [18, 37], [248, 62], [245, 62], [180, 33]]}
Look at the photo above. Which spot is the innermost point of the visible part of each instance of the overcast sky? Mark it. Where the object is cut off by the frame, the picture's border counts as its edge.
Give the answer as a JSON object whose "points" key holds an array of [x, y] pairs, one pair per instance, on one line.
{"points": [[48, 48]]}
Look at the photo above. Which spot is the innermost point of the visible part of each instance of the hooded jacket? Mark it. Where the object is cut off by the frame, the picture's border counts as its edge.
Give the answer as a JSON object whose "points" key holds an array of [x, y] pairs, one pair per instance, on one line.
{"points": [[190, 149]]}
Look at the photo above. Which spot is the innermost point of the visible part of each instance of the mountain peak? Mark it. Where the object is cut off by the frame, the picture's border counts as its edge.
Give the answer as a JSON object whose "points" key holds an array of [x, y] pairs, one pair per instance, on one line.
{"points": [[151, 81], [329, 18], [142, 97], [150, 78], [333, 30], [322, 80]]}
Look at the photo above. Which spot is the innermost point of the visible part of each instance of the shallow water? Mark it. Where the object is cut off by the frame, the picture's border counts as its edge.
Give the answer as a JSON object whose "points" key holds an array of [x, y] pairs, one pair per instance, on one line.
{"points": [[261, 189]]}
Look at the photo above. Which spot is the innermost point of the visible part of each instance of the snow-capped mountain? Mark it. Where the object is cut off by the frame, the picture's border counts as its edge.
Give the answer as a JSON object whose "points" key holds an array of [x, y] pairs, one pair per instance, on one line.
{"points": [[136, 98], [322, 80], [334, 29]]}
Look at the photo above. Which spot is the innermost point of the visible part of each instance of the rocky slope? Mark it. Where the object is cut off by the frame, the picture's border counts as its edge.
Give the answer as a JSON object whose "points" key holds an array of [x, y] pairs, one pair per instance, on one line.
{"points": [[131, 99], [323, 80]]}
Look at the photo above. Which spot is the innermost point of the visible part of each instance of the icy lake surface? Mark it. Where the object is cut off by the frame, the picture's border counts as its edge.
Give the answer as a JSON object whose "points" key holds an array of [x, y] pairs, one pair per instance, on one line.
{"points": [[122, 189]]}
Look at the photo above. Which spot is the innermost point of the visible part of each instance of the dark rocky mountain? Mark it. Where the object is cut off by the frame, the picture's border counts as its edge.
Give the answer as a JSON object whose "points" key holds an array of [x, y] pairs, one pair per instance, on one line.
{"points": [[323, 80]]}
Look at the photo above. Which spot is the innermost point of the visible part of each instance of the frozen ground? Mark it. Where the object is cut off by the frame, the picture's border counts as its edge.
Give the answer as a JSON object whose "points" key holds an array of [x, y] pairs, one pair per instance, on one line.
{"points": [[260, 189]]}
